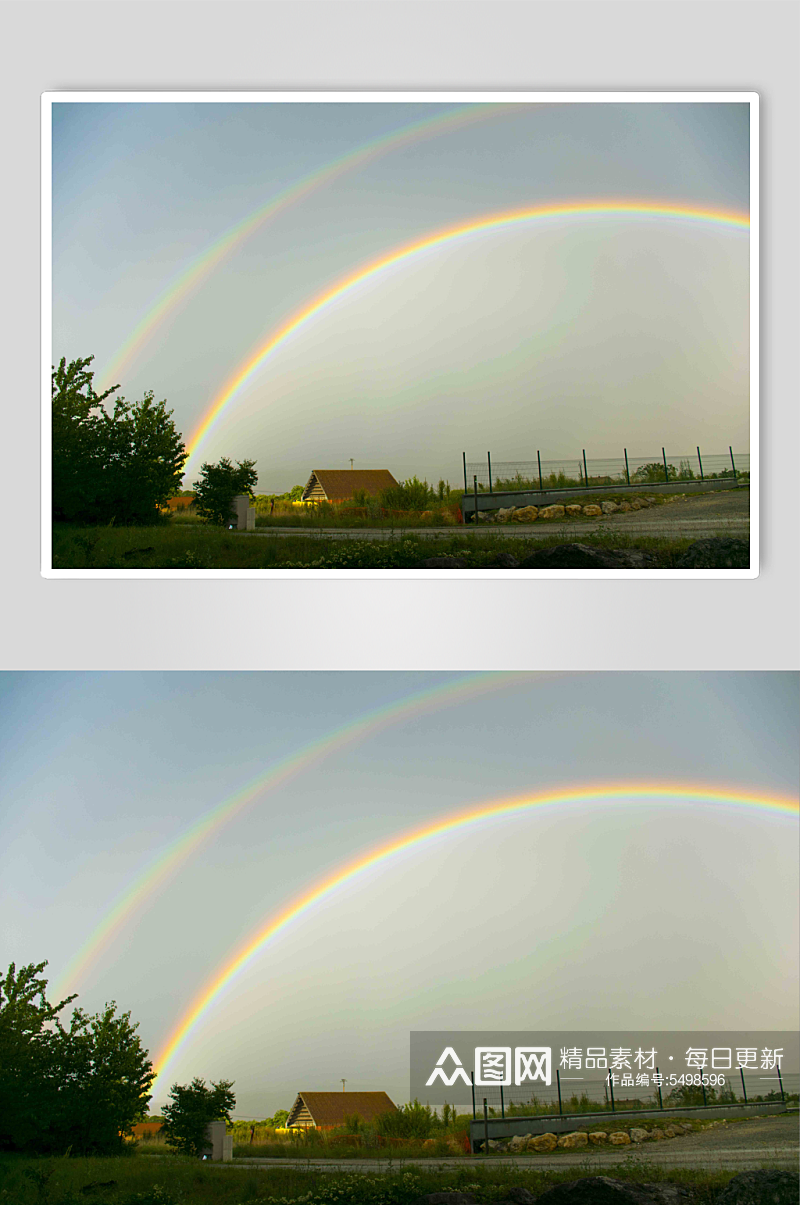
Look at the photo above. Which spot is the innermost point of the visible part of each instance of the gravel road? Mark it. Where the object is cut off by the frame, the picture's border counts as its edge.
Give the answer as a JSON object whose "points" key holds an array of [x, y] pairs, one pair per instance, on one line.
{"points": [[724, 514], [733, 1146]]}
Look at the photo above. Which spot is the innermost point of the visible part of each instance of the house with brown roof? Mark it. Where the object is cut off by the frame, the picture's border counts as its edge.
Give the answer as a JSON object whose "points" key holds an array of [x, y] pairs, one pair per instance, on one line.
{"points": [[339, 485], [180, 502], [325, 1110]]}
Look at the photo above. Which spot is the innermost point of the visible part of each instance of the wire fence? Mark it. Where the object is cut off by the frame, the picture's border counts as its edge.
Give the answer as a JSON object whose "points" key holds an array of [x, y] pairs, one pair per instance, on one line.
{"points": [[632, 1092], [582, 472]]}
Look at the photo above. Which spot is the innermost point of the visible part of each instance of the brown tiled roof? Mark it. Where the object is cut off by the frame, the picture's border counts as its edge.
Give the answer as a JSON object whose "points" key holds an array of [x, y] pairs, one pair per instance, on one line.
{"points": [[339, 484], [331, 1108]]}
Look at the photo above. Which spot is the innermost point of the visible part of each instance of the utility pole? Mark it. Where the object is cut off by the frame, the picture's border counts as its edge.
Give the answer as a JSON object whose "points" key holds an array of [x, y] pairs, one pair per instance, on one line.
{"points": [[351, 462], [344, 1081]]}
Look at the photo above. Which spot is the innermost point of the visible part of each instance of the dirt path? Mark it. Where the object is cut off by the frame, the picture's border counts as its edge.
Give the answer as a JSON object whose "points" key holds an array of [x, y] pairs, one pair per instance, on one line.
{"points": [[732, 1146], [724, 514]]}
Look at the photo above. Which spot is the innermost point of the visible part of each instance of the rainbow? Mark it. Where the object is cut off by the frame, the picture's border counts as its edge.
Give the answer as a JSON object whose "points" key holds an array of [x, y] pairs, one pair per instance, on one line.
{"points": [[624, 792], [202, 264], [169, 860], [492, 222]]}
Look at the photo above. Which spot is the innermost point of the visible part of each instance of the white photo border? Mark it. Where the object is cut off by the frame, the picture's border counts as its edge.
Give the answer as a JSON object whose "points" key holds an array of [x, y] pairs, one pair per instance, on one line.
{"points": [[49, 99]]}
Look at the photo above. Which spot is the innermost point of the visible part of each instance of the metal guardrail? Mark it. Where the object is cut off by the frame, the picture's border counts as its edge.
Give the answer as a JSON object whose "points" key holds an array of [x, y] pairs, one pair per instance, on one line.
{"points": [[572, 1095], [580, 472]]}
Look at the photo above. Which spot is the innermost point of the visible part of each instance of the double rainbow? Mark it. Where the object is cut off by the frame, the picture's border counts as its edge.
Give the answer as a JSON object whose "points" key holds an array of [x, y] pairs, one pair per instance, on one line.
{"points": [[491, 222]]}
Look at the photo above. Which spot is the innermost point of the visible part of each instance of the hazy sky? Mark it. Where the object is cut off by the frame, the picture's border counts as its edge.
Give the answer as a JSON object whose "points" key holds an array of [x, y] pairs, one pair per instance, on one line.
{"points": [[596, 333], [675, 915]]}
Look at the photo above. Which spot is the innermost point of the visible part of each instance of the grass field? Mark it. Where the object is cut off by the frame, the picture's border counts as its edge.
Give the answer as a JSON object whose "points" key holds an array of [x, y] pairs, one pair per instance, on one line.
{"points": [[197, 546], [140, 1180]]}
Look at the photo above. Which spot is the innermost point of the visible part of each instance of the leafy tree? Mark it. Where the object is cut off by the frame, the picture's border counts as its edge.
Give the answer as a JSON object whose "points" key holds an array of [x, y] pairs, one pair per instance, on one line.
{"points": [[192, 1106], [110, 467], [218, 486], [279, 1119], [105, 1076], [26, 1053], [81, 1087]]}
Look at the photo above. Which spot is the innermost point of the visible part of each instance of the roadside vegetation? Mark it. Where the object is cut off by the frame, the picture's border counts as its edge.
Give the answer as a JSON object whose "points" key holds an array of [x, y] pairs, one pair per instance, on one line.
{"points": [[182, 1181], [196, 546]]}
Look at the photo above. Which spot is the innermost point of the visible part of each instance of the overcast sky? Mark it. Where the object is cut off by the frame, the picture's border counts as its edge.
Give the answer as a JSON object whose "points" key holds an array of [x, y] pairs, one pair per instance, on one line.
{"points": [[661, 916], [588, 333]]}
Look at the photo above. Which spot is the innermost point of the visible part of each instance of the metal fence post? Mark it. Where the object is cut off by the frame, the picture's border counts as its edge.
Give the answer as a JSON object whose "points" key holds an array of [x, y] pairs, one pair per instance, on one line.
{"points": [[703, 1089], [489, 458], [538, 457], [475, 488], [485, 1128], [611, 1089], [733, 466], [780, 1081], [744, 1090], [558, 1083], [627, 473], [502, 1103], [699, 461], [585, 474], [472, 1078], [660, 1101], [666, 470]]}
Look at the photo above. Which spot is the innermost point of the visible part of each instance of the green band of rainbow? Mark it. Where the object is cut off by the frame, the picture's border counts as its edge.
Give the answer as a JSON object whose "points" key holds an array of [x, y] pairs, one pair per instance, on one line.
{"points": [[626, 792], [200, 267], [169, 860], [492, 222]]}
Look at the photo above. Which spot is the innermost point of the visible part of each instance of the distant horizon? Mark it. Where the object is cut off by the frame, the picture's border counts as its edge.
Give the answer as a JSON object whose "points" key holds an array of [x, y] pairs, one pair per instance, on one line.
{"points": [[672, 459]]}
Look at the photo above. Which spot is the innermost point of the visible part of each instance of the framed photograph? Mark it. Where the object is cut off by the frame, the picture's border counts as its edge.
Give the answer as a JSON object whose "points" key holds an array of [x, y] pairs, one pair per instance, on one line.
{"points": [[400, 334]]}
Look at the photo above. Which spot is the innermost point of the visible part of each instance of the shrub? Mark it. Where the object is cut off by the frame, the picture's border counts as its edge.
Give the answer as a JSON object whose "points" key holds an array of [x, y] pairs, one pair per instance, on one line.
{"points": [[218, 486], [192, 1106], [409, 1121]]}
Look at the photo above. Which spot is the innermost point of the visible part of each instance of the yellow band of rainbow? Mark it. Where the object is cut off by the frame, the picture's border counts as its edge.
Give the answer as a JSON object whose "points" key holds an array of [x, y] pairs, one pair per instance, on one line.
{"points": [[494, 221], [666, 793]]}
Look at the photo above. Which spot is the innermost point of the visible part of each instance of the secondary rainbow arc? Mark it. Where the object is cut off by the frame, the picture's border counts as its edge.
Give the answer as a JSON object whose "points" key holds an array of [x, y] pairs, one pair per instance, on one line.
{"points": [[193, 274], [494, 221], [665, 792], [169, 860]]}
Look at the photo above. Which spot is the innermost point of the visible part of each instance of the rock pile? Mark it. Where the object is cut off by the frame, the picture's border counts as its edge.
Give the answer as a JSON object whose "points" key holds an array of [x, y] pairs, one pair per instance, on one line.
{"points": [[579, 1138], [575, 510]]}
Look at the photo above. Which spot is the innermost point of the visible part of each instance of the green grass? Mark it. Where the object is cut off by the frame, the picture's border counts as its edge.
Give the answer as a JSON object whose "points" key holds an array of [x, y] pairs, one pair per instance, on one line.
{"points": [[196, 546], [135, 1180]]}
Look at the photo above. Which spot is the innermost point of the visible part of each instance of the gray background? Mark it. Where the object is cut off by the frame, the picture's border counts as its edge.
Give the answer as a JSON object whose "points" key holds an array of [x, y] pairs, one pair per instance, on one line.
{"points": [[389, 623]]}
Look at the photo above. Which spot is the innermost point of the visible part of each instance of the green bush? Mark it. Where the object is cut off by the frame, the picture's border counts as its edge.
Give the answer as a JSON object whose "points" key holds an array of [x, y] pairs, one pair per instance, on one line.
{"points": [[218, 486], [412, 494], [409, 1121], [190, 1109]]}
